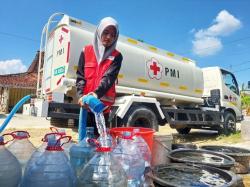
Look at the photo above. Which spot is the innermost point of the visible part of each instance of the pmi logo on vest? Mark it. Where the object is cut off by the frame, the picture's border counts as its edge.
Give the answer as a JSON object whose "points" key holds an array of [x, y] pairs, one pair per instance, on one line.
{"points": [[155, 70]]}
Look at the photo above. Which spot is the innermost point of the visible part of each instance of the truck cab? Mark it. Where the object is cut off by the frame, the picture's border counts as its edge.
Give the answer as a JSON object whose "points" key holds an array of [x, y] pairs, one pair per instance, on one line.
{"points": [[225, 81], [216, 78]]}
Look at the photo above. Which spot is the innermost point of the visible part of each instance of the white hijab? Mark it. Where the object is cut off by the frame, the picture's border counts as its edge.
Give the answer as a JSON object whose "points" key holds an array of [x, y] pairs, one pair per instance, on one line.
{"points": [[101, 52]]}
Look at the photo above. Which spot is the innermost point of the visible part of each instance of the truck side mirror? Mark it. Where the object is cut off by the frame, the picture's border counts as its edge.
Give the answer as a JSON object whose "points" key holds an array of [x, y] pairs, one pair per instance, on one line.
{"points": [[248, 85]]}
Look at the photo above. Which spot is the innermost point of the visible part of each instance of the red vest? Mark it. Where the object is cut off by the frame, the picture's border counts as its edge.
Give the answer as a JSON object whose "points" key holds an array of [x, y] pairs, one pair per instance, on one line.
{"points": [[94, 73]]}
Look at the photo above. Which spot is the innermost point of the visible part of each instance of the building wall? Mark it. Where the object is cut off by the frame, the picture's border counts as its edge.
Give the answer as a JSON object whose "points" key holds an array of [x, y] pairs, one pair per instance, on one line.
{"points": [[15, 94], [4, 98]]}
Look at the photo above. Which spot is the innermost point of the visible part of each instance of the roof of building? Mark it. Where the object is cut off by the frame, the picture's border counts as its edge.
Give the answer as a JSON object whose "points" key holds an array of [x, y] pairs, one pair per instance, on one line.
{"points": [[22, 80]]}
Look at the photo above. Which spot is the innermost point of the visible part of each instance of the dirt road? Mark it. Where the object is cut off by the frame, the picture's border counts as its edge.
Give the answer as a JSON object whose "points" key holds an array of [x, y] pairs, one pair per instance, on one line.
{"points": [[38, 126]]}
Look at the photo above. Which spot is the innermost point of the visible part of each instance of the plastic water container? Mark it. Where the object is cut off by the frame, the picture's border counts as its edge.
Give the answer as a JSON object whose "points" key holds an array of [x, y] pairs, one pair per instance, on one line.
{"points": [[130, 158], [51, 169], [10, 168], [48, 137], [143, 147], [21, 147], [81, 153], [102, 170], [146, 133]]}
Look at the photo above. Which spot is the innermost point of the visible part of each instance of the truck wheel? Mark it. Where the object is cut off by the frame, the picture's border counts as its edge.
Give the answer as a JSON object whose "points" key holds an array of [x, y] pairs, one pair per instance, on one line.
{"points": [[185, 130], [229, 124], [141, 116]]}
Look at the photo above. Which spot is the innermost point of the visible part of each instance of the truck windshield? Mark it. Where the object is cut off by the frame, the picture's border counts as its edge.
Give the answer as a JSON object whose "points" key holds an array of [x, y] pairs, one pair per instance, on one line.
{"points": [[230, 81]]}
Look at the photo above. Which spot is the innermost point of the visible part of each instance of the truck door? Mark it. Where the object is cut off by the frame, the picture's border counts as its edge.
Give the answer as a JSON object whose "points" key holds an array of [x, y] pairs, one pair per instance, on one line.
{"points": [[230, 93]]}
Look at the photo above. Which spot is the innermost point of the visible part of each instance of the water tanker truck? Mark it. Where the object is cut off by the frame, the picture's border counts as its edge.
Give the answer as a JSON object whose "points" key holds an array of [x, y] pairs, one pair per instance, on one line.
{"points": [[154, 86]]}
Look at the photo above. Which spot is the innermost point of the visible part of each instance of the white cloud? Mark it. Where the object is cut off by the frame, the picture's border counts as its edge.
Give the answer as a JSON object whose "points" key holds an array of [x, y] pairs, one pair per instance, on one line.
{"points": [[12, 66], [200, 45], [208, 41]]}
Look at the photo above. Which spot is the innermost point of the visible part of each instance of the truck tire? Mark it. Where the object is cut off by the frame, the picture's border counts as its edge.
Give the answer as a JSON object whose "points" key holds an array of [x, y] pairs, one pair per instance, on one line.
{"points": [[141, 116], [185, 130], [229, 125]]}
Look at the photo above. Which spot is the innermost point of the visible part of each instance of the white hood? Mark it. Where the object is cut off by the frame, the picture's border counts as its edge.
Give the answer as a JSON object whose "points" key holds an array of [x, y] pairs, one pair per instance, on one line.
{"points": [[101, 52]]}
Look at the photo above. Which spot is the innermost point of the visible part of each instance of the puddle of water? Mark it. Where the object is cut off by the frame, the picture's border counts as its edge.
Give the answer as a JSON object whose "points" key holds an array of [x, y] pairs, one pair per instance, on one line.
{"points": [[192, 176], [225, 149], [201, 157]]}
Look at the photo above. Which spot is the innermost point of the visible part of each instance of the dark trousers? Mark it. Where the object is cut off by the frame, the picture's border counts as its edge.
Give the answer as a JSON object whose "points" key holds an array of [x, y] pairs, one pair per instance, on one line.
{"points": [[91, 122]]}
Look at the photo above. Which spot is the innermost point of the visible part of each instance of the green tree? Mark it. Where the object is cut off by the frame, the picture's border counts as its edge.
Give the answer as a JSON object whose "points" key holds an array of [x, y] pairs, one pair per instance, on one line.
{"points": [[245, 100]]}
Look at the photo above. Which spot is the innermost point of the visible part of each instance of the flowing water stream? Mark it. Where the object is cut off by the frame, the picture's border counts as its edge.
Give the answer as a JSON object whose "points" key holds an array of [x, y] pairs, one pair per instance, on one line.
{"points": [[100, 123]]}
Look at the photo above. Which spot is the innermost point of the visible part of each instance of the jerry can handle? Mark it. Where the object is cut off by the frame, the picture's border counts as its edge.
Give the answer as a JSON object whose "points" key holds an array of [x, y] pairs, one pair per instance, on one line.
{"points": [[54, 129], [52, 133], [63, 137], [8, 134]]}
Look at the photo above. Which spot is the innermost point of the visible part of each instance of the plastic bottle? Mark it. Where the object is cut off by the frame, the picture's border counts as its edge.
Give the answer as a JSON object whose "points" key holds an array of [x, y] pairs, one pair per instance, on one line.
{"points": [[51, 169], [130, 158], [21, 147], [82, 152], [143, 147], [10, 168], [102, 170], [48, 137]]}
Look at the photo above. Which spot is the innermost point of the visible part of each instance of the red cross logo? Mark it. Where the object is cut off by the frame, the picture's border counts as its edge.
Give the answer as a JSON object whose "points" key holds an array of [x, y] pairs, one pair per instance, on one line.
{"points": [[155, 68], [61, 39]]}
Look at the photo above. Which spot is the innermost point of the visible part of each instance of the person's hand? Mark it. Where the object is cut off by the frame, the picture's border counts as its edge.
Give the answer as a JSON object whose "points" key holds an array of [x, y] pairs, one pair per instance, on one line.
{"points": [[80, 101], [93, 94]]}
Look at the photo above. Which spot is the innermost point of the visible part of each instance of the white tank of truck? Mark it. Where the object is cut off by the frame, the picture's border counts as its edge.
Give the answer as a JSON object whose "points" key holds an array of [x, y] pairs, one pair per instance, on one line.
{"points": [[146, 70]]}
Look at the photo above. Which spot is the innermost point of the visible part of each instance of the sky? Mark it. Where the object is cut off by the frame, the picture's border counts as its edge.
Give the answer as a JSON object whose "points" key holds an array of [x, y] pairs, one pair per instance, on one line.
{"points": [[211, 32]]}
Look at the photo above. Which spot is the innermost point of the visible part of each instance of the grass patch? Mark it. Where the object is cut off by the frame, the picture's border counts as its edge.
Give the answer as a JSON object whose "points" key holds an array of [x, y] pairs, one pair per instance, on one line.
{"points": [[199, 138], [233, 138]]}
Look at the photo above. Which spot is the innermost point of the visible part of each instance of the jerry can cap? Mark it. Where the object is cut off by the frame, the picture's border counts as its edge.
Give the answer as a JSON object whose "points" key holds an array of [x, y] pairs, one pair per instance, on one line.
{"points": [[103, 149]]}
